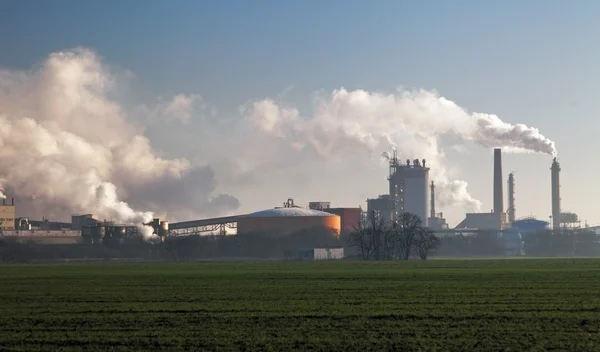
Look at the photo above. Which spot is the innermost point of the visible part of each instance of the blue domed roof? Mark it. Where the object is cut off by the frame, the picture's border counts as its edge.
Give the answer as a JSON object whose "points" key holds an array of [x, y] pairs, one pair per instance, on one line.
{"points": [[287, 212]]}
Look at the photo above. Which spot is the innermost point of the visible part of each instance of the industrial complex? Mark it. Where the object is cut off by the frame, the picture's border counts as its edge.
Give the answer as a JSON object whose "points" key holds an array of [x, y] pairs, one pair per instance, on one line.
{"points": [[410, 190]]}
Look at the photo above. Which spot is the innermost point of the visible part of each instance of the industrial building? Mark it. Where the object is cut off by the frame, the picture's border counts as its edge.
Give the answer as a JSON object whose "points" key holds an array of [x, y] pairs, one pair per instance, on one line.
{"points": [[321, 253], [349, 217], [384, 205], [530, 225], [408, 191], [7, 215], [287, 220]]}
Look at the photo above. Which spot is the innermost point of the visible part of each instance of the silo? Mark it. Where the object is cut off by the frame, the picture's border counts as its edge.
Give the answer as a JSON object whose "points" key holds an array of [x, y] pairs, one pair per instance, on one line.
{"points": [[416, 190], [286, 221]]}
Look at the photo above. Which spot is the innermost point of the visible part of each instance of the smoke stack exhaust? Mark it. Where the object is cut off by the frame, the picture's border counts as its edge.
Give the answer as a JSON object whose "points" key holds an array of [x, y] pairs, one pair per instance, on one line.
{"points": [[555, 194], [498, 192], [511, 198]]}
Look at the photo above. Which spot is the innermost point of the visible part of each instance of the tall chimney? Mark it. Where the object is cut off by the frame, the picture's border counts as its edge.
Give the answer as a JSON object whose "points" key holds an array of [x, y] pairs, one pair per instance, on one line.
{"points": [[432, 205], [555, 194], [511, 198], [498, 193]]}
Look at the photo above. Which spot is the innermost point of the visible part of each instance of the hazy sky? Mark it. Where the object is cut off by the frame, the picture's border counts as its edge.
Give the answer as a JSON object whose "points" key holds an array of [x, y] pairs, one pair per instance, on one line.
{"points": [[530, 62]]}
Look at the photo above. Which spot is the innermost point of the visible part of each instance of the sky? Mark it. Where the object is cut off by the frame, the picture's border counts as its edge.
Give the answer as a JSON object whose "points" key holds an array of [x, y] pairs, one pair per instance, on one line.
{"points": [[528, 62]]}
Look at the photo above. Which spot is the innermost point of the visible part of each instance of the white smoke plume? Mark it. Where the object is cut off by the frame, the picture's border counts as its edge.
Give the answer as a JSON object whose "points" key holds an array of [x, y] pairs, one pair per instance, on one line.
{"points": [[66, 147], [411, 121]]}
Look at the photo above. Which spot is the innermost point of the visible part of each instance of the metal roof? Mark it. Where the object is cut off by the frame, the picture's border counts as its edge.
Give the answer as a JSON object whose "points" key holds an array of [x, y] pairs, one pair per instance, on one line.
{"points": [[287, 212]]}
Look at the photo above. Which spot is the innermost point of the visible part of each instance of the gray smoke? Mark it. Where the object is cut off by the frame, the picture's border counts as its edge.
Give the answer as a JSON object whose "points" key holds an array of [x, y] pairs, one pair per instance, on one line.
{"points": [[66, 147], [411, 121]]}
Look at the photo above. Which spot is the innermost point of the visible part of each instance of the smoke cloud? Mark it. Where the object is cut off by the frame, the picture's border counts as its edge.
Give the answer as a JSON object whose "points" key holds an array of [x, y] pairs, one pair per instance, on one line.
{"points": [[411, 121], [66, 147]]}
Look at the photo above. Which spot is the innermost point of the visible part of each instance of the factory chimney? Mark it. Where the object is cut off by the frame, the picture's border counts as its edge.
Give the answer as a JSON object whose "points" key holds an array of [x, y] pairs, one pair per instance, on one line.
{"points": [[498, 193], [432, 205], [511, 198], [555, 194]]}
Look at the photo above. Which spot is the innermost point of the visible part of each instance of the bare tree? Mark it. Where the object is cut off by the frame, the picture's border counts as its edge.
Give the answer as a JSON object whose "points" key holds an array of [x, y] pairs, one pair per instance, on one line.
{"points": [[425, 241], [370, 237], [378, 240], [406, 229]]}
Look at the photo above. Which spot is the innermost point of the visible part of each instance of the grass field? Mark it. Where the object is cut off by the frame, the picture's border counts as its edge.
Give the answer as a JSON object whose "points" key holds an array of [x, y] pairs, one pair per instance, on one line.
{"points": [[478, 305]]}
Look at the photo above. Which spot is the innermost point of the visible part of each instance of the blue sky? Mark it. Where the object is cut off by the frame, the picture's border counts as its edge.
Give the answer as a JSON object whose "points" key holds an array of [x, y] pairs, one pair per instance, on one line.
{"points": [[532, 62]]}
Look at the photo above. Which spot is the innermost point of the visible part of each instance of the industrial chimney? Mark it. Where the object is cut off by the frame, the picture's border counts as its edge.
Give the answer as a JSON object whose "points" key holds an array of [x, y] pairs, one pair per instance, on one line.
{"points": [[432, 205], [511, 198], [555, 194], [498, 193]]}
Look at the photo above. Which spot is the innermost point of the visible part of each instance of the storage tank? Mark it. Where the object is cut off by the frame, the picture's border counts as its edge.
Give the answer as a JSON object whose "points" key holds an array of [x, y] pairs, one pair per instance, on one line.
{"points": [[286, 221]]}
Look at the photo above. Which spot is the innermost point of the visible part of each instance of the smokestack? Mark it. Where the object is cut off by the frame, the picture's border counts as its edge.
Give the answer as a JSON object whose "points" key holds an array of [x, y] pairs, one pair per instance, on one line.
{"points": [[432, 211], [498, 193], [555, 194], [511, 198]]}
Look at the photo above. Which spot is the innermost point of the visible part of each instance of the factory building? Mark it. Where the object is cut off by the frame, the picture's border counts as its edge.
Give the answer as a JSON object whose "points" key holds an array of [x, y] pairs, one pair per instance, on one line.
{"points": [[320, 205], [349, 218], [416, 190], [7, 216], [483, 221], [385, 206], [287, 220], [85, 220], [409, 188], [530, 225], [320, 253]]}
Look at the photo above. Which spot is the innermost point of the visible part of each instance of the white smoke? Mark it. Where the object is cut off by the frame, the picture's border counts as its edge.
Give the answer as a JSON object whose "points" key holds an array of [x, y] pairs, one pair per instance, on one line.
{"points": [[411, 121], [66, 147]]}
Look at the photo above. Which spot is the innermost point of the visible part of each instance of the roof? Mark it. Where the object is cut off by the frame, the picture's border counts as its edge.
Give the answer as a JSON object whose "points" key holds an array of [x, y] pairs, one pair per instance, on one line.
{"points": [[287, 212], [530, 221]]}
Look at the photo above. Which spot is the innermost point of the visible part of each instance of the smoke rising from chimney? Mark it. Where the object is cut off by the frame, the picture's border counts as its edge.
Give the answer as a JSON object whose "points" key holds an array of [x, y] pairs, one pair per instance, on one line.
{"points": [[412, 120], [67, 145]]}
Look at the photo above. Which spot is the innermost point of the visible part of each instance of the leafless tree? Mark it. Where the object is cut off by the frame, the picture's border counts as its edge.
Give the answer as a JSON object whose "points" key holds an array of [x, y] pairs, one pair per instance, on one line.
{"points": [[378, 240], [406, 229], [425, 241], [370, 236]]}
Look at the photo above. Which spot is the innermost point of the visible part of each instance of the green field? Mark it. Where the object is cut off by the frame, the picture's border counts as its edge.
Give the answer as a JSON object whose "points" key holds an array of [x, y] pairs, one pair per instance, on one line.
{"points": [[454, 305]]}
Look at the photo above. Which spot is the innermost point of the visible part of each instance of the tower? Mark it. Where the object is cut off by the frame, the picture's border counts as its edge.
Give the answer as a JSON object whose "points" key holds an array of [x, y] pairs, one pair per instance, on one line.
{"points": [[555, 173], [432, 201], [409, 187], [511, 198], [498, 192]]}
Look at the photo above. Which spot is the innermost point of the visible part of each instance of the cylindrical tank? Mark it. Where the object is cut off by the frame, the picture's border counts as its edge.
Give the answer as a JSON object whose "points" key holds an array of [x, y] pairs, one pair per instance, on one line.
{"points": [[286, 221], [164, 229]]}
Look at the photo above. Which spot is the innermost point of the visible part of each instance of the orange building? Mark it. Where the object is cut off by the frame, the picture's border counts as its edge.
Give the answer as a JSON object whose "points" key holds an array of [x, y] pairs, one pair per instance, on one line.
{"points": [[286, 221]]}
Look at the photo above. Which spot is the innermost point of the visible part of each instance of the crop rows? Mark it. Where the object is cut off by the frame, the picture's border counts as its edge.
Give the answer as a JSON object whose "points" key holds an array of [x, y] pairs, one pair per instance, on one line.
{"points": [[510, 305]]}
